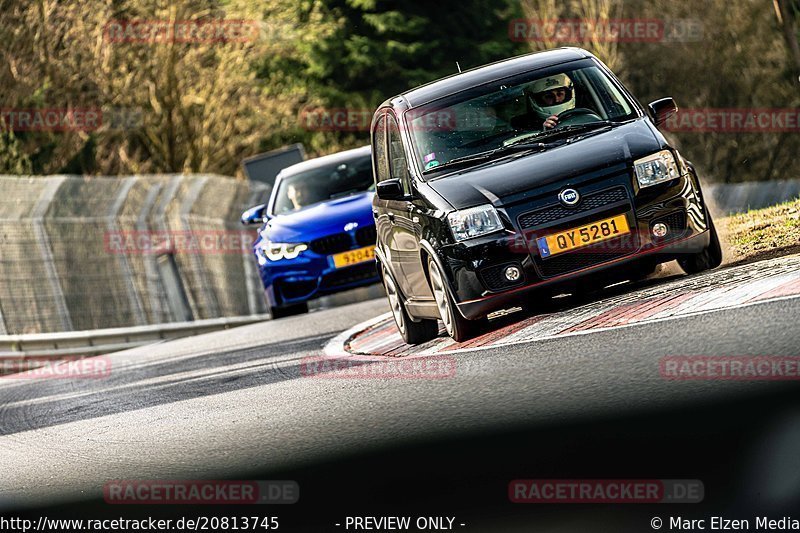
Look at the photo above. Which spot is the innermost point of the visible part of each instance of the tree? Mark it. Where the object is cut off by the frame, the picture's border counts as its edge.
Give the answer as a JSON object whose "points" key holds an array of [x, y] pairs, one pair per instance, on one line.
{"points": [[788, 12], [12, 159], [356, 53], [593, 12]]}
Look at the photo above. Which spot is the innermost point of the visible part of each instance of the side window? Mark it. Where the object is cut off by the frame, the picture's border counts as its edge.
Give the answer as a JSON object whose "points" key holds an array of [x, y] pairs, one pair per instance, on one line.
{"points": [[379, 149], [397, 157]]}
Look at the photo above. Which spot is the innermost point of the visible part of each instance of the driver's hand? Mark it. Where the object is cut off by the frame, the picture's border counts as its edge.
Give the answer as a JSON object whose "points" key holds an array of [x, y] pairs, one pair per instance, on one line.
{"points": [[551, 122]]}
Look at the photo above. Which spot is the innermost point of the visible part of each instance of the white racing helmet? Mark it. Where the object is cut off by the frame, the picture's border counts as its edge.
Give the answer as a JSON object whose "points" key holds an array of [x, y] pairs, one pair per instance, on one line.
{"points": [[540, 95]]}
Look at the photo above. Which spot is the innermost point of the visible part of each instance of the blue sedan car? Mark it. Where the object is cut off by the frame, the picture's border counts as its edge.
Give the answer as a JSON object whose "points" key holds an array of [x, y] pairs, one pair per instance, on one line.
{"points": [[318, 235]]}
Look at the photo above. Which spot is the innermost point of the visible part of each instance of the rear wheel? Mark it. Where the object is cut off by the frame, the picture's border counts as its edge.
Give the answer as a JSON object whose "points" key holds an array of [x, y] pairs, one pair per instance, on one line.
{"points": [[709, 258], [411, 331], [456, 325], [289, 310]]}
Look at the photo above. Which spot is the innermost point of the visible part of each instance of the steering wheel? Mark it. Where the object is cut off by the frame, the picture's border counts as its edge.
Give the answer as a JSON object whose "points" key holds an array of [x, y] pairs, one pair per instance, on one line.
{"points": [[578, 115]]}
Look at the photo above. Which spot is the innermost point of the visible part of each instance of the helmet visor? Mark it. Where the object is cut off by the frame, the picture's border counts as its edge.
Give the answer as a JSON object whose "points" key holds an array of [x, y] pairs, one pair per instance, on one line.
{"points": [[551, 97]]}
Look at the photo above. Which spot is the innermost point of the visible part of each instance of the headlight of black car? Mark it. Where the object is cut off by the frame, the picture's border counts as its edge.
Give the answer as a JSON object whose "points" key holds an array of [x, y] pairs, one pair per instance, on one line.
{"points": [[474, 222], [656, 168]]}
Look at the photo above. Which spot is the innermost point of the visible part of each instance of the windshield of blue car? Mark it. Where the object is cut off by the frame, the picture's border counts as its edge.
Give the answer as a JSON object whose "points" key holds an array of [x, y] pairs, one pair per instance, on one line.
{"points": [[321, 184], [498, 115]]}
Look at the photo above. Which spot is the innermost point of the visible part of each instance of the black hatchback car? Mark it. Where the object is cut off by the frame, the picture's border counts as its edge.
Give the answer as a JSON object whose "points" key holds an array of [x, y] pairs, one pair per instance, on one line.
{"points": [[502, 184]]}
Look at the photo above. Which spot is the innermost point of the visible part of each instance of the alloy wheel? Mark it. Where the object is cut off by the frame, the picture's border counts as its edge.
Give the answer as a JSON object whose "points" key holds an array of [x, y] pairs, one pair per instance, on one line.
{"points": [[394, 302], [440, 295]]}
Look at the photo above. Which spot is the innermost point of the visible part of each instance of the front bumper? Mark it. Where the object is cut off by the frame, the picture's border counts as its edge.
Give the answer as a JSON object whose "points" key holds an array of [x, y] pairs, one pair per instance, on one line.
{"points": [[310, 276], [475, 267]]}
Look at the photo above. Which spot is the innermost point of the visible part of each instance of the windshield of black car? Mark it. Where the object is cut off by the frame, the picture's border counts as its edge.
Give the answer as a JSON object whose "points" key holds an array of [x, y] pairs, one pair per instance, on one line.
{"points": [[492, 116], [321, 184]]}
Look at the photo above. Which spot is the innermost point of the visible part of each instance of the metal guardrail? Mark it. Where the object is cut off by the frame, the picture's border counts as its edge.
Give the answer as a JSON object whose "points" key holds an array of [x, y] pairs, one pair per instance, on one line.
{"points": [[101, 341]]}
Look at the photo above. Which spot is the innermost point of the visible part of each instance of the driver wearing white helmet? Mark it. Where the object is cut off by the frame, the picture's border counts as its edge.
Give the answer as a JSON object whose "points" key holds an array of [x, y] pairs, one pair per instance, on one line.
{"points": [[549, 97]]}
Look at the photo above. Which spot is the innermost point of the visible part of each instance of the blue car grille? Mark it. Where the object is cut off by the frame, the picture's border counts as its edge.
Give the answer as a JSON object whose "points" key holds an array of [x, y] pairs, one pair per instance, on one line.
{"points": [[332, 244], [366, 236], [341, 242]]}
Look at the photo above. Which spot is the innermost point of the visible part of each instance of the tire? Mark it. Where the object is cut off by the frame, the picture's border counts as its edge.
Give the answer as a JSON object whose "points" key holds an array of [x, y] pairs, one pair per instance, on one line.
{"points": [[458, 327], [709, 258], [413, 332], [289, 310]]}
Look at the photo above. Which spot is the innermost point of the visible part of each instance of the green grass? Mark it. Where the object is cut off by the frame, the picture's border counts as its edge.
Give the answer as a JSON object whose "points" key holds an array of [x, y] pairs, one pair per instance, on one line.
{"points": [[763, 231]]}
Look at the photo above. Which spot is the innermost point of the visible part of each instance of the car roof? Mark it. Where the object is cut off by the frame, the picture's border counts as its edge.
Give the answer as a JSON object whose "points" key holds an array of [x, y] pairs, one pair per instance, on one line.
{"points": [[332, 159], [487, 73]]}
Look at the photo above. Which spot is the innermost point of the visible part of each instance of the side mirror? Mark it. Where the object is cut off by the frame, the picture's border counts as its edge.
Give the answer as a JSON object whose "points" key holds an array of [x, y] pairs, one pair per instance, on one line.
{"points": [[390, 189], [662, 109], [254, 215]]}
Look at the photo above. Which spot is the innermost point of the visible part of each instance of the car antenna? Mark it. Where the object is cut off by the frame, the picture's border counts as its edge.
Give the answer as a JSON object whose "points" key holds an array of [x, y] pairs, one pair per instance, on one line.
{"points": [[458, 67]]}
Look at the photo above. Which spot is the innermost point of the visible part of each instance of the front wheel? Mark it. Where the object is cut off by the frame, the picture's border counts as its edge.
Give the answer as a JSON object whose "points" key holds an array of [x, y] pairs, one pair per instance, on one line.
{"points": [[412, 332], [709, 258], [458, 327]]}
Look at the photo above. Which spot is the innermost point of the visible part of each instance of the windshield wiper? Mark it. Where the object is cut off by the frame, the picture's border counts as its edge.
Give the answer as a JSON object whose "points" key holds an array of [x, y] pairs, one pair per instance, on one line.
{"points": [[565, 130], [488, 154]]}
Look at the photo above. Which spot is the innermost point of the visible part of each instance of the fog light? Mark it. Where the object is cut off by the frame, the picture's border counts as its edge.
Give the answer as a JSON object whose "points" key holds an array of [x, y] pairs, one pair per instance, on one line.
{"points": [[660, 230], [512, 273]]}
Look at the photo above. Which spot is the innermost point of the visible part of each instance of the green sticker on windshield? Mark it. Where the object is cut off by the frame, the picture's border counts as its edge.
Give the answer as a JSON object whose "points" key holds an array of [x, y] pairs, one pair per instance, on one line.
{"points": [[431, 164]]}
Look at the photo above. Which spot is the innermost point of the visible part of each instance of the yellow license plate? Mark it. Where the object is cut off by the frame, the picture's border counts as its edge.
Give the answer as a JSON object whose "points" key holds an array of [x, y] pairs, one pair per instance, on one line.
{"points": [[579, 237], [353, 257]]}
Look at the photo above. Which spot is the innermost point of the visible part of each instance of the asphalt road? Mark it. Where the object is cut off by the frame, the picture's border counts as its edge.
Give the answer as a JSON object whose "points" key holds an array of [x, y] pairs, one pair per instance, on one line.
{"points": [[237, 403]]}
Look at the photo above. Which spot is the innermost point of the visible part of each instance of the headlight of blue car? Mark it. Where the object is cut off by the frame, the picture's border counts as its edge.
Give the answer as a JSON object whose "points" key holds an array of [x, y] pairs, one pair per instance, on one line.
{"points": [[276, 251]]}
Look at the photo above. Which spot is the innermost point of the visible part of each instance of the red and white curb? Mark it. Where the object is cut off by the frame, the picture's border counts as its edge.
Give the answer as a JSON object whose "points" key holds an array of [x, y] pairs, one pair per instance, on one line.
{"points": [[738, 286]]}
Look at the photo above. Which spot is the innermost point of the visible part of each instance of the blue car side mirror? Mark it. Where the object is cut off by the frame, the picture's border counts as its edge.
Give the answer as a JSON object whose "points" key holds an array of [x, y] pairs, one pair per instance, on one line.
{"points": [[255, 215]]}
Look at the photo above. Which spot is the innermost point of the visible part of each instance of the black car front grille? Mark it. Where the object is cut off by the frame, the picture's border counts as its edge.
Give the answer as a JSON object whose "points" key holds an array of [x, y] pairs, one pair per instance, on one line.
{"points": [[366, 236], [571, 262], [331, 244], [350, 275], [556, 212], [588, 256]]}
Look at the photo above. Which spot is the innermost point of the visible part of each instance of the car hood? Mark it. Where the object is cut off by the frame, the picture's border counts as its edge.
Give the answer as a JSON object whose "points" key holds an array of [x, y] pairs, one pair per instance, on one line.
{"points": [[506, 181], [321, 219]]}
